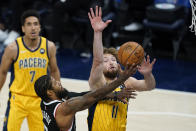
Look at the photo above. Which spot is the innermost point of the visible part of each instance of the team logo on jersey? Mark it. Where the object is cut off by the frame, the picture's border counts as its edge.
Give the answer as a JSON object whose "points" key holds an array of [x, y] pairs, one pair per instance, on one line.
{"points": [[42, 51]]}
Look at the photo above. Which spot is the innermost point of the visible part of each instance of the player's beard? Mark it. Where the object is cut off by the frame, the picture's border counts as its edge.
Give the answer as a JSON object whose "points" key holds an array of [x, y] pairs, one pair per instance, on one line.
{"points": [[33, 39], [111, 74]]}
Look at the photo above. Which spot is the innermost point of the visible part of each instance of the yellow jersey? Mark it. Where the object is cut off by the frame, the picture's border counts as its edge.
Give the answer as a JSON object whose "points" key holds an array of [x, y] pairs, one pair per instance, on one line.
{"points": [[108, 115], [28, 67]]}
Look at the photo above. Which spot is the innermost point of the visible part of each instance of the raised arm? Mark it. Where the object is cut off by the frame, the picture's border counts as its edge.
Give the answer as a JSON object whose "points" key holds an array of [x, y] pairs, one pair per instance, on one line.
{"points": [[67, 110], [148, 83], [53, 68], [8, 57], [98, 25]]}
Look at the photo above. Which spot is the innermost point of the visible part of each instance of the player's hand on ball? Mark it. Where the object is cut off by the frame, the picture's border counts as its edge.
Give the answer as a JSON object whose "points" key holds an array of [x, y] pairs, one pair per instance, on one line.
{"points": [[129, 71]]}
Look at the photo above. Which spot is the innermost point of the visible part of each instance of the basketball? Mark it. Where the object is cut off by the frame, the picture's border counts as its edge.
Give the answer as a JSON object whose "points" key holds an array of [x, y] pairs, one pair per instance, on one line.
{"points": [[130, 52]]}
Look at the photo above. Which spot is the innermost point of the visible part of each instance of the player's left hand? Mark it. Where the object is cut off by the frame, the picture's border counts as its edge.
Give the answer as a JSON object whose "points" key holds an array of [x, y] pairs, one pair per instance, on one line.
{"points": [[146, 67], [125, 94]]}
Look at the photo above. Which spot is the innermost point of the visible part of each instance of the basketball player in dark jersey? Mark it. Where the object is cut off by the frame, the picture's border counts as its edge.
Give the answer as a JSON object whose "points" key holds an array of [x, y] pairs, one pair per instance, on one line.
{"points": [[111, 114], [59, 114]]}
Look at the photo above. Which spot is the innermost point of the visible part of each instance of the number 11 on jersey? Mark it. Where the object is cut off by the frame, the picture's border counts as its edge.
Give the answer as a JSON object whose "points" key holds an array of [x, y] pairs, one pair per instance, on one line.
{"points": [[114, 111]]}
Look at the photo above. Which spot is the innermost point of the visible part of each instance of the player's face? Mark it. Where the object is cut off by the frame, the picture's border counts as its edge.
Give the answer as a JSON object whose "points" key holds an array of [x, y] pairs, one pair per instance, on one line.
{"points": [[31, 27], [110, 66], [57, 88]]}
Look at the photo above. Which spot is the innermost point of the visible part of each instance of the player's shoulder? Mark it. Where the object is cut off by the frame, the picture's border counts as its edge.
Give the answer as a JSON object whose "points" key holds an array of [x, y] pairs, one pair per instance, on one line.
{"points": [[51, 44], [95, 84], [12, 47], [51, 49], [11, 50]]}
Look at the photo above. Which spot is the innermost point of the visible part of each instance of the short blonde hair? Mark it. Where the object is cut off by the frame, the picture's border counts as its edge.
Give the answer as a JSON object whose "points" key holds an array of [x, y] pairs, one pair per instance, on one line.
{"points": [[111, 51]]}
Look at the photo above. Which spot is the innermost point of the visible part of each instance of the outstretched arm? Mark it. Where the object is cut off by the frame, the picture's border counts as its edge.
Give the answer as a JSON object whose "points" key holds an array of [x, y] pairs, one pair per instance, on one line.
{"points": [[67, 109], [98, 26], [148, 83], [81, 103]]}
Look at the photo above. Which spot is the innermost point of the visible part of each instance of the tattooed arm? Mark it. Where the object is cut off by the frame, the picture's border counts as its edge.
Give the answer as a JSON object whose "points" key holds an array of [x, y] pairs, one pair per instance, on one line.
{"points": [[66, 111]]}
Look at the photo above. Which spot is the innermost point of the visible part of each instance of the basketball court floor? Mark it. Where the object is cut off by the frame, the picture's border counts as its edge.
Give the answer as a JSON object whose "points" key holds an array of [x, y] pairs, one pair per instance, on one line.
{"points": [[157, 110]]}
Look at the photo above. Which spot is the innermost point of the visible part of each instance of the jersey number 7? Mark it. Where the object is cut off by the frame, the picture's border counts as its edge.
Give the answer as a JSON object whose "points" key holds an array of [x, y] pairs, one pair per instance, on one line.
{"points": [[32, 73]]}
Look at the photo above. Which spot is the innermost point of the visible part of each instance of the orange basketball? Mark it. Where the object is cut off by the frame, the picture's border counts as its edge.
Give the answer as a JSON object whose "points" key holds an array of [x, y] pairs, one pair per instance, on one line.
{"points": [[130, 52]]}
